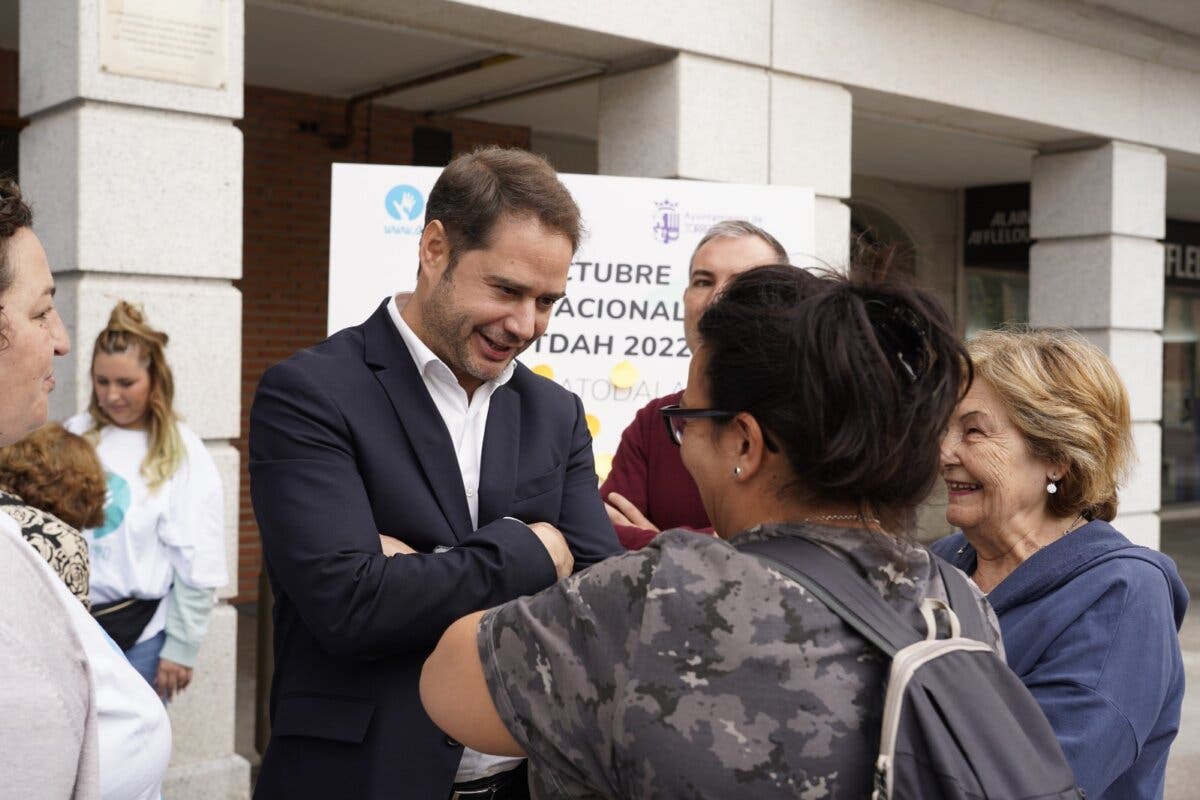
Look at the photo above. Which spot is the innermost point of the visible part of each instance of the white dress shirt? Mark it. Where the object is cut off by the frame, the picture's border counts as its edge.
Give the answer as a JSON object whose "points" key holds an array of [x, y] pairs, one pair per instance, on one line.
{"points": [[466, 419]]}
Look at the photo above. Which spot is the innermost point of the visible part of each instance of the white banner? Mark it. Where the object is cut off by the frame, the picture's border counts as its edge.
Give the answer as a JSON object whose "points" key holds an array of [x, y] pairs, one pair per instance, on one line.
{"points": [[616, 339]]}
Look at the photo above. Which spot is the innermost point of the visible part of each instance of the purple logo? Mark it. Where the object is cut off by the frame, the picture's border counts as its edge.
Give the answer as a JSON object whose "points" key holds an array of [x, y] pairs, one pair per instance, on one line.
{"points": [[666, 221]]}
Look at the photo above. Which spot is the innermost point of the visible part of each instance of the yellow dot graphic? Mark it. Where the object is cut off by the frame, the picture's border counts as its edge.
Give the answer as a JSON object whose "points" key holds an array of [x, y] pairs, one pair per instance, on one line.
{"points": [[603, 465], [545, 370], [623, 375], [593, 423]]}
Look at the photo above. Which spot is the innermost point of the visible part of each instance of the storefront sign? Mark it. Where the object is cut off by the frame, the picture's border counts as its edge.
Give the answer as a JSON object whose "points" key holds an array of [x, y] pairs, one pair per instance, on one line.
{"points": [[616, 339], [996, 234], [996, 227], [183, 41], [1181, 253]]}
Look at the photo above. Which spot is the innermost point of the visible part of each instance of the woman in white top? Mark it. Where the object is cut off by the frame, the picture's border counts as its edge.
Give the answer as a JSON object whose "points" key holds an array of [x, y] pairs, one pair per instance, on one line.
{"points": [[159, 556], [75, 719]]}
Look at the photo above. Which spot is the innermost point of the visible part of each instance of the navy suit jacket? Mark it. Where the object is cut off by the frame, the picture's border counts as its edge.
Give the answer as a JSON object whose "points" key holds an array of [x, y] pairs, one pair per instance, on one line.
{"points": [[346, 443]]}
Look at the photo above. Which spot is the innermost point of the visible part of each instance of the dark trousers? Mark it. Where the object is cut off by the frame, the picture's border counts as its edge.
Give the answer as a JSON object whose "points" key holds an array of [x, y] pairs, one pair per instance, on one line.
{"points": [[511, 785]]}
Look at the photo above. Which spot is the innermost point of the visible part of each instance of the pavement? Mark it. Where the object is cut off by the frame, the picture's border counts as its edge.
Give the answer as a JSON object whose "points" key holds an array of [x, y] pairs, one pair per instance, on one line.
{"points": [[1180, 540]]}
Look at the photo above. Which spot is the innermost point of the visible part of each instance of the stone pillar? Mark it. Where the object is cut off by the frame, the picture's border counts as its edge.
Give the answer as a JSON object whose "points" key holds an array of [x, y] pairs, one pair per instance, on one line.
{"points": [[1096, 216], [810, 146], [700, 118], [137, 192], [692, 117]]}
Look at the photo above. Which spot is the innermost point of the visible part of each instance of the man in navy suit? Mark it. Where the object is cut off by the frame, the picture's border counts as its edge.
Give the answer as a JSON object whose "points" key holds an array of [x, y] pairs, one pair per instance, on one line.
{"points": [[416, 433]]}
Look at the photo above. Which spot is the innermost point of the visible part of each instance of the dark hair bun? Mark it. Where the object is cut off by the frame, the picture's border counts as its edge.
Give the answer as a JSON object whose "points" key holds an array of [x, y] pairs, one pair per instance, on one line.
{"points": [[854, 377]]}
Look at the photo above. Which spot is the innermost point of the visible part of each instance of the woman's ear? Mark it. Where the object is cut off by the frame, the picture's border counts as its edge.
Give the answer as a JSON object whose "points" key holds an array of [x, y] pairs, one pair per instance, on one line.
{"points": [[1055, 470], [748, 443]]}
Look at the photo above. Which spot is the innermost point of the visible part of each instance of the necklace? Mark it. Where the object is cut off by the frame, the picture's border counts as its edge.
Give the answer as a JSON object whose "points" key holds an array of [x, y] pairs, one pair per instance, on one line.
{"points": [[839, 517], [1036, 547]]}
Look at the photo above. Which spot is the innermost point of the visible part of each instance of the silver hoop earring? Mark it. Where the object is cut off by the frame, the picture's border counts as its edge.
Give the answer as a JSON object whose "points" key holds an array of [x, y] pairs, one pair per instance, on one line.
{"points": [[1051, 487], [737, 472]]}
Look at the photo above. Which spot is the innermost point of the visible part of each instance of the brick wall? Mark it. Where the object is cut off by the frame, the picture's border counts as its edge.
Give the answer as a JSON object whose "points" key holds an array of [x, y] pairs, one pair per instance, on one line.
{"points": [[8, 83], [10, 123], [286, 235]]}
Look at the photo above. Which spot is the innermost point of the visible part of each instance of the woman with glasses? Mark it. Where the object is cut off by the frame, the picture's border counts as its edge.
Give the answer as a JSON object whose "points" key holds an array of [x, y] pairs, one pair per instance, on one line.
{"points": [[648, 489], [813, 409]]}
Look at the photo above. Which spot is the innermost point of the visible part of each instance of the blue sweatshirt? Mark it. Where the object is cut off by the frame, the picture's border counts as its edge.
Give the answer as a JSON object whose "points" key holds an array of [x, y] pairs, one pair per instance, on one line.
{"points": [[1090, 624]]}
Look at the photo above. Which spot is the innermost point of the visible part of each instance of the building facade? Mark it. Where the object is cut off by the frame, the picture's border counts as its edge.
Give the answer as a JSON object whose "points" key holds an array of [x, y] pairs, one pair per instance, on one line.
{"points": [[1039, 158]]}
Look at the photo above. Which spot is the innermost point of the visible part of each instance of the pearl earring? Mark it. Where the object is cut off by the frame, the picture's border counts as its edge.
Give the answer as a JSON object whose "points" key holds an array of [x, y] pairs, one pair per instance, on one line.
{"points": [[1051, 487], [737, 472]]}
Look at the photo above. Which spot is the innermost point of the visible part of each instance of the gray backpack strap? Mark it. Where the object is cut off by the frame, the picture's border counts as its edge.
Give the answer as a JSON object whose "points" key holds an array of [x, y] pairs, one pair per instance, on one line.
{"points": [[839, 586], [963, 602]]}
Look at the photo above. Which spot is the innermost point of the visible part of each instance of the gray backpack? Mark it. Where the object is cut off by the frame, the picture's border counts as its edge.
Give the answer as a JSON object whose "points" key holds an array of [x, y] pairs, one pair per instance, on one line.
{"points": [[957, 722]]}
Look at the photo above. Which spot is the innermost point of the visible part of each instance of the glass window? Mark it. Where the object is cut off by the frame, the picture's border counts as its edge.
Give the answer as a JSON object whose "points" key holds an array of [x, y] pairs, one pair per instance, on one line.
{"points": [[1180, 421], [996, 297]]}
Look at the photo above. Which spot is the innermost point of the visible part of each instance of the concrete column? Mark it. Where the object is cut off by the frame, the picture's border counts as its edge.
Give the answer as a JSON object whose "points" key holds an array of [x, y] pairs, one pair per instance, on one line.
{"points": [[137, 191], [692, 117], [1096, 216], [810, 146], [704, 119]]}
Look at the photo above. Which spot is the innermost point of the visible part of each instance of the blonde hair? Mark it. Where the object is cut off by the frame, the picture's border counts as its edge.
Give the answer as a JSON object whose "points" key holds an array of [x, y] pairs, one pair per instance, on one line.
{"points": [[1065, 397], [127, 331]]}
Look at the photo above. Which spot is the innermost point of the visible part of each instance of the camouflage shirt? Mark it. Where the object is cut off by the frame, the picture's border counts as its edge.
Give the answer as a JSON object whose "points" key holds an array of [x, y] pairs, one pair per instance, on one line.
{"points": [[689, 669]]}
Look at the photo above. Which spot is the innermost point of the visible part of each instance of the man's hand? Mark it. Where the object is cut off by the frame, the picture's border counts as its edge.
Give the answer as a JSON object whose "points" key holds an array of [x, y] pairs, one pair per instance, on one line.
{"points": [[394, 547], [622, 512], [556, 546], [171, 678]]}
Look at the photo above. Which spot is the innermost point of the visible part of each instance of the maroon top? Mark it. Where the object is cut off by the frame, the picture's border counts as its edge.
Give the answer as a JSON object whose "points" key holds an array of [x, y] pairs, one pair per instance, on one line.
{"points": [[670, 498]]}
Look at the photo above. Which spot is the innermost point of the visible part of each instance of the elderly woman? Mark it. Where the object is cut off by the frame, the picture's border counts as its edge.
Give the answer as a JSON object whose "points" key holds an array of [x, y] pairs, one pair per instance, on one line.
{"points": [[1032, 459], [52, 484], [77, 721], [690, 668]]}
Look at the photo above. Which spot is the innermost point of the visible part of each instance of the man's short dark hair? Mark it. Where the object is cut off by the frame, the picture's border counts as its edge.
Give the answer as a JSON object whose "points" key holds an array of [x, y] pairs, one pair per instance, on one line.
{"points": [[476, 188]]}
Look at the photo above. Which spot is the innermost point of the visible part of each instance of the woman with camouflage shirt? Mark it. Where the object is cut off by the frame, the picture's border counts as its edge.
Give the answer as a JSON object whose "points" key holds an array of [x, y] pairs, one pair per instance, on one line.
{"points": [[813, 408]]}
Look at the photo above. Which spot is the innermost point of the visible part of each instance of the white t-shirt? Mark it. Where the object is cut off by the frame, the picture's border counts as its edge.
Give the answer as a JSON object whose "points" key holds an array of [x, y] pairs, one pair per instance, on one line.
{"points": [[146, 536], [133, 731]]}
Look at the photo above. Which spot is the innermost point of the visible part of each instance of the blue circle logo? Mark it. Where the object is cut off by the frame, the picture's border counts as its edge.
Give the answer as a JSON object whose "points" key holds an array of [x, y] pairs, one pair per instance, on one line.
{"points": [[404, 203], [115, 504]]}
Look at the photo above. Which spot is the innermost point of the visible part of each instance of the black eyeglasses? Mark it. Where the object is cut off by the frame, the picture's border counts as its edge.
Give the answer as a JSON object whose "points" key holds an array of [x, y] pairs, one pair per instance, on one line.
{"points": [[676, 419]]}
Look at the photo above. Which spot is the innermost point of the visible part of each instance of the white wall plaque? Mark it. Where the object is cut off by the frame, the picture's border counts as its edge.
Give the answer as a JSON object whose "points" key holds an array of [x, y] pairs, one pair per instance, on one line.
{"points": [[182, 41]]}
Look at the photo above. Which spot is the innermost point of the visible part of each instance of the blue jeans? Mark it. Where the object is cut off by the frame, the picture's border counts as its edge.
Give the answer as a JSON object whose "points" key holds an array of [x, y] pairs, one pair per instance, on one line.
{"points": [[144, 656]]}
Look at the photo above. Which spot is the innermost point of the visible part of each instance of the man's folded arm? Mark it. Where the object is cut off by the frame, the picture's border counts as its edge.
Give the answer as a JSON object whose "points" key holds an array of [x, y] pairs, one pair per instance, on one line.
{"points": [[320, 539]]}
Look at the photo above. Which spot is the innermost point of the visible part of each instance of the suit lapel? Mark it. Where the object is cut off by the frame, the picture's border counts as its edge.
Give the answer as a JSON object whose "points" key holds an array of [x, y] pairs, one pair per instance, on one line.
{"points": [[501, 450], [388, 356]]}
